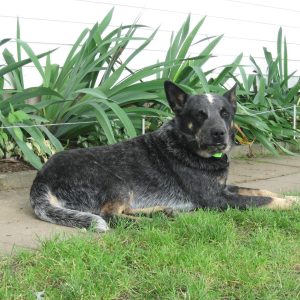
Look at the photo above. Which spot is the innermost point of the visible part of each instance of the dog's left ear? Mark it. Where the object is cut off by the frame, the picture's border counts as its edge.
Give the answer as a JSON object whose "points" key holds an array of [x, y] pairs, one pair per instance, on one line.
{"points": [[231, 96], [175, 95]]}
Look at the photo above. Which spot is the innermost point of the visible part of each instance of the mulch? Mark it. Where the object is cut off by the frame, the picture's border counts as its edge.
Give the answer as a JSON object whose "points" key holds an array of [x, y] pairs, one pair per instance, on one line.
{"points": [[14, 165]]}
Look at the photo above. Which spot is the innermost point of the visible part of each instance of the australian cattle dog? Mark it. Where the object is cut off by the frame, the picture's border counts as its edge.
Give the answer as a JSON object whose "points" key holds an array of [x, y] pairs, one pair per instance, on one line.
{"points": [[182, 166]]}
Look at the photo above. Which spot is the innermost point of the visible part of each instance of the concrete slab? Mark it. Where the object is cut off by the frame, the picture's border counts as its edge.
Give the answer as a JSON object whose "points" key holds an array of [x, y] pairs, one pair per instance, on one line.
{"points": [[17, 180], [19, 228], [283, 184], [292, 161], [244, 171]]}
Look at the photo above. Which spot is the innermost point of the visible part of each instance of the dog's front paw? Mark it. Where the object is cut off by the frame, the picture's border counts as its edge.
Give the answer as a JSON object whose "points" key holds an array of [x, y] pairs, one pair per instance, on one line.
{"points": [[280, 203], [295, 199], [99, 225]]}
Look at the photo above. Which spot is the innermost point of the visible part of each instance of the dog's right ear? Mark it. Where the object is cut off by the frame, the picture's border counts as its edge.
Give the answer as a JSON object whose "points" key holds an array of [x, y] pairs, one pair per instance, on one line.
{"points": [[175, 95]]}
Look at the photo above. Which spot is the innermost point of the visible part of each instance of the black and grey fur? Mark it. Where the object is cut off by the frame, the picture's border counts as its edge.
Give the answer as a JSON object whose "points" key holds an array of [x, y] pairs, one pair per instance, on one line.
{"points": [[172, 168]]}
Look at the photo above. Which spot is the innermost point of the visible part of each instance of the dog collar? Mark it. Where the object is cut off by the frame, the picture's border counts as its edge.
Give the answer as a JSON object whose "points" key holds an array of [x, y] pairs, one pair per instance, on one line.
{"points": [[217, 155]]}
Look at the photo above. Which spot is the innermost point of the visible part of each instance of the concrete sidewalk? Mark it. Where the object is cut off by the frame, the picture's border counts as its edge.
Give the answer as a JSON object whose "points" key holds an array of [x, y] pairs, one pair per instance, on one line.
{"points": [[20, 229]]}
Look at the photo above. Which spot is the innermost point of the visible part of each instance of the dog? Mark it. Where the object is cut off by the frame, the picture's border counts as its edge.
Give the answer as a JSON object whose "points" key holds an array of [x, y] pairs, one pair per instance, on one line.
{"points": [[182, 166]]}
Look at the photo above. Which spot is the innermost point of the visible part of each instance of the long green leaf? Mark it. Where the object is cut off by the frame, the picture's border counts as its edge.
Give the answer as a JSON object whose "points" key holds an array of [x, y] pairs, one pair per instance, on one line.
{"points": [[15, 75], [202, 79], [285, 63], [38, 137], [104, 122], [29, 155], [227, 71], [32, 56], [19, 52], [260, 96], [265, 141], [54, 141], [27, 94], [116, 75], [186, 44], [279, 52], [21, 63], [115, 108], [258, 70], [4, 41]]}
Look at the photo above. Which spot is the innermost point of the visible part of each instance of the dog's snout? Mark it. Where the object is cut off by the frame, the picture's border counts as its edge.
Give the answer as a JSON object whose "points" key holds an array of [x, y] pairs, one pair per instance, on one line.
{"points": [[218, 134]]}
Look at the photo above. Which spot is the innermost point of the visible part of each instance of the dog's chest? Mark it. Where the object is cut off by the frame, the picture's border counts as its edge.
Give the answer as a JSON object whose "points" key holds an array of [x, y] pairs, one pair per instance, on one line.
{"points": [[181, 188], [201, 181]]}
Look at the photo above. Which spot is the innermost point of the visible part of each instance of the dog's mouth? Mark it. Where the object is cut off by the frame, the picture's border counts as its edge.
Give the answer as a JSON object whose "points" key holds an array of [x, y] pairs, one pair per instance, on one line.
{"points": [[214, 147], [208, 150]]}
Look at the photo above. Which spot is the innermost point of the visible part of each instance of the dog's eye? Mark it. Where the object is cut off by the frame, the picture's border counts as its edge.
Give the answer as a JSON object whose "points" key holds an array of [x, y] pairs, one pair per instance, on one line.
{"points": [[201, 114], [224, 113]]}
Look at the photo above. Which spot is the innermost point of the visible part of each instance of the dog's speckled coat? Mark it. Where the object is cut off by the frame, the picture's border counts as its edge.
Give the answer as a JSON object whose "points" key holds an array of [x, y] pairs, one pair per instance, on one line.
{"points": [[171, 168]]}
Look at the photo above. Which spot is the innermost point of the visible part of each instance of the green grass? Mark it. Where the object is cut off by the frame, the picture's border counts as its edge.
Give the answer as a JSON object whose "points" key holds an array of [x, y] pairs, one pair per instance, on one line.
{"points": [[204, 255]]}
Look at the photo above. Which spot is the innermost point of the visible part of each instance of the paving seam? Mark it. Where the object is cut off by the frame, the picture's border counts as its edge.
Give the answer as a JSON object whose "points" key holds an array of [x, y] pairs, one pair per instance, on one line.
{"points": [[266, 178], [270, 163]]}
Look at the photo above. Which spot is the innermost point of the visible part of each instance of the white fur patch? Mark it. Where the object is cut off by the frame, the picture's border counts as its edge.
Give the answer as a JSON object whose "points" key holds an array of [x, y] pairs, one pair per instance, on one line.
{"points": [[100, 224], [210, 98], [53, 200]]}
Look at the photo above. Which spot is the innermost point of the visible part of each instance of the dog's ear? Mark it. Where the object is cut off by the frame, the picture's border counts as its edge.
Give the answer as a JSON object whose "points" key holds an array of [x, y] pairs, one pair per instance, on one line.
{"points": [[231, 96], [175, 95]]}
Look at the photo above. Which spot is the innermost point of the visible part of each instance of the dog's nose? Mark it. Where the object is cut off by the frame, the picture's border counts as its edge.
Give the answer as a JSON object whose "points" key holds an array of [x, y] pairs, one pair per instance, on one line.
{"points": [[218, 134]]}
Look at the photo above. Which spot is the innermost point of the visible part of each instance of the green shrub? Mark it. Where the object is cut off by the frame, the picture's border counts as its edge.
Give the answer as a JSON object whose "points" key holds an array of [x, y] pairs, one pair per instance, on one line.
{"points": [[94, 93], [95, 98], [266, 101]]}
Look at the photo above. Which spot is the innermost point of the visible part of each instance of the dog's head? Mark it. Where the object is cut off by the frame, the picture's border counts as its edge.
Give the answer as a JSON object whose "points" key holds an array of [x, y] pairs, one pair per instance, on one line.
{"points": [[206, 121]]}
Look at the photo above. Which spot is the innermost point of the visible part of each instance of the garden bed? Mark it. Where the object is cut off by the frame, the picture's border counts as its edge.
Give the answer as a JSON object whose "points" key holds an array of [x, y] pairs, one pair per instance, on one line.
{"points": [[10, 166]]}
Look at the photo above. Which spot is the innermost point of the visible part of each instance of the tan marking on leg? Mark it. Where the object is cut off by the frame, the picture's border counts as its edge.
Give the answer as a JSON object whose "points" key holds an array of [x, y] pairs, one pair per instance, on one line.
{"points": [[150, 210], [53, 200], [113, 208], [117, 209], [279, 203], [128, 217], [256, 192], [190, 125]]}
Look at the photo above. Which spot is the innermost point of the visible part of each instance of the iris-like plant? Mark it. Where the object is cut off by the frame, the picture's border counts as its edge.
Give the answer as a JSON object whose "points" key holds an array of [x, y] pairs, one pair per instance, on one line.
{"points": [[95, 90], [266, 100], [95, 98]]}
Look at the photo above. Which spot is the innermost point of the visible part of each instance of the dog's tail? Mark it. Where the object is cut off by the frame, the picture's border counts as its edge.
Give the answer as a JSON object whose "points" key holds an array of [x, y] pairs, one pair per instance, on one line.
{"points": [[48, 208]]}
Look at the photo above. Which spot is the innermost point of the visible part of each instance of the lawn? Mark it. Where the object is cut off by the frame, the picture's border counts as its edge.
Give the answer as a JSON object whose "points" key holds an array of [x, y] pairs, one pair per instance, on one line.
{"points": [[234, 254]]}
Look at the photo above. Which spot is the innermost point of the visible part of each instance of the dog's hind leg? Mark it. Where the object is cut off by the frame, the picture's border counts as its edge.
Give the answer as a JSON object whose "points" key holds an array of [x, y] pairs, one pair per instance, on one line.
{"points": [[49, 208], [149, 211], [119, 206]]}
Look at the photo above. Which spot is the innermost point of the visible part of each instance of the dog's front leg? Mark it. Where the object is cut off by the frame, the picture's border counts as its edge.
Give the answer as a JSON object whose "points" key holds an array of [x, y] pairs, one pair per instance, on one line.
{"points": [[250, 192], [245, 197]]}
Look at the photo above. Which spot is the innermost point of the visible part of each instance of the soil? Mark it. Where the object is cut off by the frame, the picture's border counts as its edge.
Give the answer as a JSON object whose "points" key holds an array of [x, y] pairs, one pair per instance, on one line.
{"points": [[14, 165]]}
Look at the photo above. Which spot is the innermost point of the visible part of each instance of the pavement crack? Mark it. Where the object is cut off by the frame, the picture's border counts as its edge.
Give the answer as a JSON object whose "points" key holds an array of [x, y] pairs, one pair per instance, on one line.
{"points": [[267, 178]]}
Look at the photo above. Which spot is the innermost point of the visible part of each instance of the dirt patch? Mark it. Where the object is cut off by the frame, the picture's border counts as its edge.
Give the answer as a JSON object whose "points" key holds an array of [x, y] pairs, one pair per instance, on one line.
{"points": [[13, 165]]}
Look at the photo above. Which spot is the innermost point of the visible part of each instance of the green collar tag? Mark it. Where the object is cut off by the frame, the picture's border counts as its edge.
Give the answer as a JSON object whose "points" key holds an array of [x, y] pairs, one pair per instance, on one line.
{"points": [[217, 155]]}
